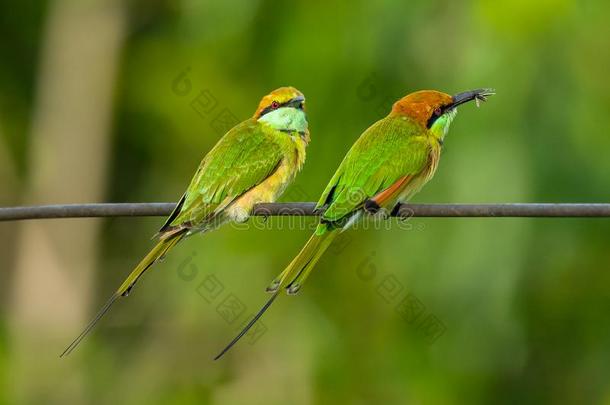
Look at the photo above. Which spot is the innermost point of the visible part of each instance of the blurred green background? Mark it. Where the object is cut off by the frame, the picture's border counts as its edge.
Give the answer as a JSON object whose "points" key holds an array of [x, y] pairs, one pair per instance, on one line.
{"points": [[97, 104]]}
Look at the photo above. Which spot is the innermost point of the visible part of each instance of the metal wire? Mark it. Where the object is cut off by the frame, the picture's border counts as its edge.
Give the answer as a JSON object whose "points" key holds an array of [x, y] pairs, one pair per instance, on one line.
{"points": [[307, 209]]}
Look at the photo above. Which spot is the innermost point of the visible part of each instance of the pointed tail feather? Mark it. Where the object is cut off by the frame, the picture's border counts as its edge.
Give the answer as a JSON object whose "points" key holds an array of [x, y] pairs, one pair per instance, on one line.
{"points": [[248, 326], [294, 275], [90, 325], [153, 256]]}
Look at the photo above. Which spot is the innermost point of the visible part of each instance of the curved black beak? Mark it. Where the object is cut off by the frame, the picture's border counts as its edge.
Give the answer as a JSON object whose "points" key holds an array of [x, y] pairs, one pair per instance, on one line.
{"points": [[477, 95]]}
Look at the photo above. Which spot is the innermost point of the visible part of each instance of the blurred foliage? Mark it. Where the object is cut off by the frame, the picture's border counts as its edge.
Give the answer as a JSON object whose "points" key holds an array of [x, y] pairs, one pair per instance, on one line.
{"points": [[525, 303]]}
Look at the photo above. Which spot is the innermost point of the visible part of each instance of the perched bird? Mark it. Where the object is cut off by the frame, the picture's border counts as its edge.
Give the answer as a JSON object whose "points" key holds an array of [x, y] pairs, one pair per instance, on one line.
{"points": [[252, 163], [388, 164]]}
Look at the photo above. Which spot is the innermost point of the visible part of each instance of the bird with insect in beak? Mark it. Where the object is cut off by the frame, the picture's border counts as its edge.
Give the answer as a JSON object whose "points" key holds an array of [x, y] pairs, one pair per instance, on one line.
{"points": [[252, 163], [390, 162]]}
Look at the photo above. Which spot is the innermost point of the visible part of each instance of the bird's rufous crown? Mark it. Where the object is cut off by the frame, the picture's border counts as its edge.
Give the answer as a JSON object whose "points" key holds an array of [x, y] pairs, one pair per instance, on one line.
{"points": [[421, 104]]}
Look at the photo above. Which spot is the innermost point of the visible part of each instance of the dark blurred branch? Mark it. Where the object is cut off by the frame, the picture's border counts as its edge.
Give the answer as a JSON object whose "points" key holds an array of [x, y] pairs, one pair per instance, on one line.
{"points": [[307, 209]]}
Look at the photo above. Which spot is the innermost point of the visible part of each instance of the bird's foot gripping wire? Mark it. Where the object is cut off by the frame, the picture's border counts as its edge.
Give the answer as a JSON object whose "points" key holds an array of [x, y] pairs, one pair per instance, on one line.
{"points": [[375, 210]]}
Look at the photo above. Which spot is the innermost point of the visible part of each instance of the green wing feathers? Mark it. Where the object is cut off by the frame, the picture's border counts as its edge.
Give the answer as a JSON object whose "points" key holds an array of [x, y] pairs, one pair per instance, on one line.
{"points": [[383, 155], [386, 152], [241, 160]]}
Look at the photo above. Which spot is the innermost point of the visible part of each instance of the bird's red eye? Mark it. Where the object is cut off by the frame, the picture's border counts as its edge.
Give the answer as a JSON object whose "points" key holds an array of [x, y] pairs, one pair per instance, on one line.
{"points": [[438, 111], [275, 104]]}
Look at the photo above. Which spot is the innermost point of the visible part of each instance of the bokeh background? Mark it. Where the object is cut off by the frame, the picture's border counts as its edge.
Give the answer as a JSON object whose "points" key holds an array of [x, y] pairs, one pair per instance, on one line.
{"points": [[117, 101]]}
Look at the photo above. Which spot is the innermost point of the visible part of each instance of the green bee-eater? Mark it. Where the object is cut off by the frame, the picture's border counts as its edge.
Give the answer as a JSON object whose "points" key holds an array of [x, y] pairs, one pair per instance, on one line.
{"points": [[387, 165], [252, 163]]}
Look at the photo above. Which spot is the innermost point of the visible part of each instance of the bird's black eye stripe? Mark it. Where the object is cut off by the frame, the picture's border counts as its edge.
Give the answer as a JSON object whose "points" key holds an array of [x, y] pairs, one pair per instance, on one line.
{"points": [[438, 111], [294, 103], [266, 110]]}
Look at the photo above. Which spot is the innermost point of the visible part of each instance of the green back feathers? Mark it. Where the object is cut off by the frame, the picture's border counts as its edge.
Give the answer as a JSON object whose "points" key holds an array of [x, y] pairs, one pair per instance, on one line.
{"points": [[388, 150], [242, 159]]}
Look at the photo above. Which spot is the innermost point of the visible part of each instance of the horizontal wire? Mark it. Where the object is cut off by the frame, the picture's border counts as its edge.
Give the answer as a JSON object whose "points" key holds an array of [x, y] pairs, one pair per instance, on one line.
{"points": [[308, 209]]}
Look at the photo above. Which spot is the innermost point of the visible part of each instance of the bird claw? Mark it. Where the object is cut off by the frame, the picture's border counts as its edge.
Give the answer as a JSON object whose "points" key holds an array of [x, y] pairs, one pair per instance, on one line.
{"points": [[377, 212], [319, 210], [371, 207], [241, 216]]}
